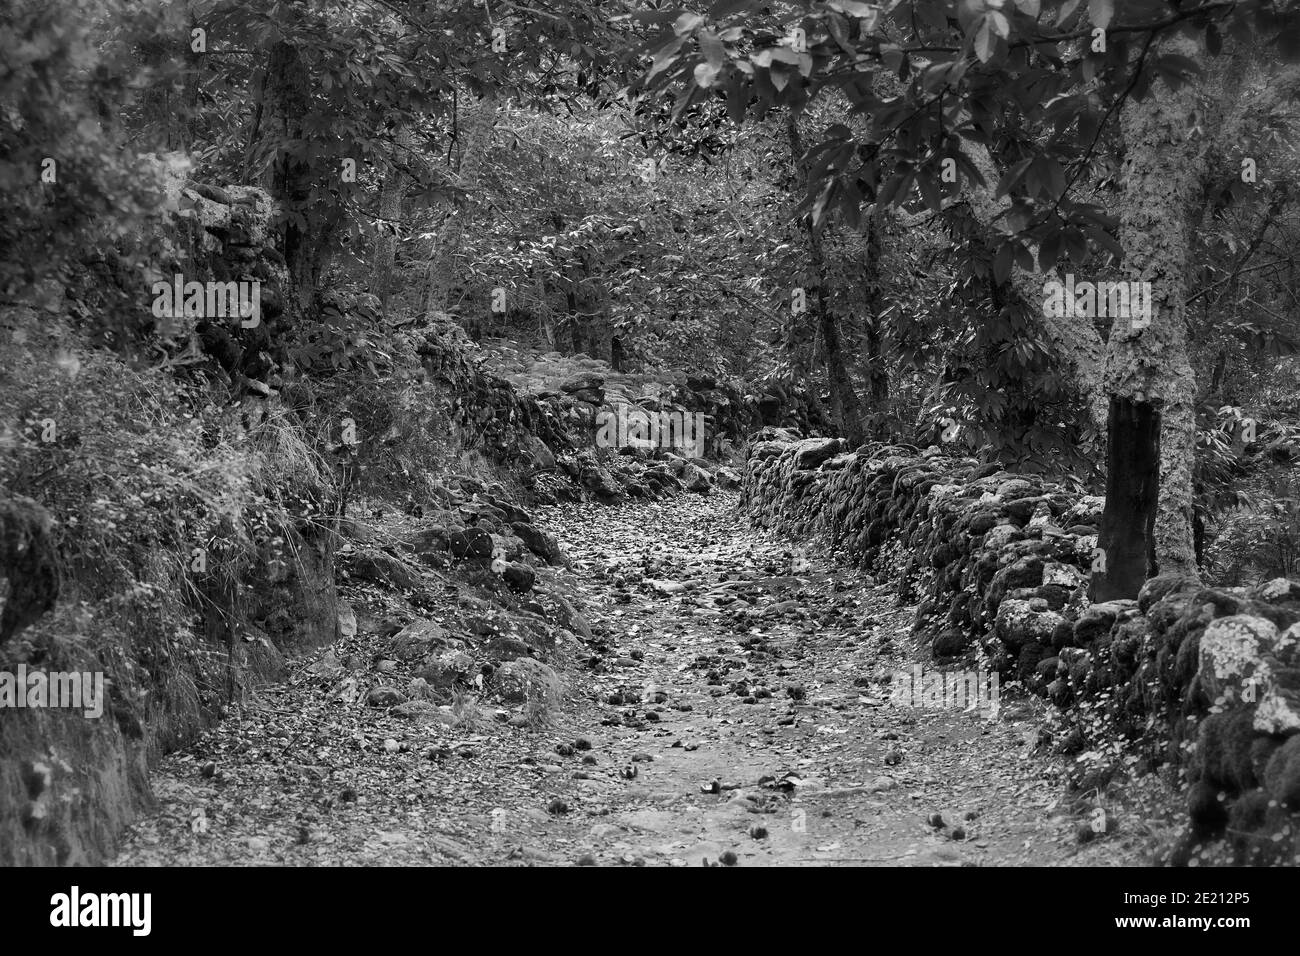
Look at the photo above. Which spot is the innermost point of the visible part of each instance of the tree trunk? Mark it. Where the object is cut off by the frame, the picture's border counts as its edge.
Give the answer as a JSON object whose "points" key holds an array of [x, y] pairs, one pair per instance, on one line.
{"points": [[845, 406], [1127, 530], [877, 374], [440, 270], [396, 183], [286, 100], [1148, 374]]}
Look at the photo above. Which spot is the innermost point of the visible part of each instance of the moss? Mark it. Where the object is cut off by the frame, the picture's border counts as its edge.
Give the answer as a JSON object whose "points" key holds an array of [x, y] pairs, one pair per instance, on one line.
{"points": [[1206, 811], [1282, 774]]}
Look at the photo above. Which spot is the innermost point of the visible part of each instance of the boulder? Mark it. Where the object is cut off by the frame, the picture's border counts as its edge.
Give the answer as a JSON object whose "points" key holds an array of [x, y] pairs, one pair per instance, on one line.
{"points": [[696, 479], [519, 577], [1231, 654], [471, 544], [525, 679], [539, 542]]}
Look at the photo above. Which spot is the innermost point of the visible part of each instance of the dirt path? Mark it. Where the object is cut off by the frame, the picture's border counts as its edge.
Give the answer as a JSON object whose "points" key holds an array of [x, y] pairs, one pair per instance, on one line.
{"points": [[725, 709]]}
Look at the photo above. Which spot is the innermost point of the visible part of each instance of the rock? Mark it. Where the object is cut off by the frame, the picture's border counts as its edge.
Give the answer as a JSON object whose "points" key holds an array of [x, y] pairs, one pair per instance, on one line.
{"points": [[417, 710], [519, 577], [1207, 812], [1282, 774], [696, 479], [327, 666], [1097, 619], [525, 679], [1231, 654], [1065, 575], [385, 696], [506, 648], [1014, 488], [418, 639], [433, 539], [666, 587], [726, 479], [444, 670], [542, 456], [471, 544], [540, 543], [587, 386], [813, 451], [380, 567], [347, 621], [1018, 624]]}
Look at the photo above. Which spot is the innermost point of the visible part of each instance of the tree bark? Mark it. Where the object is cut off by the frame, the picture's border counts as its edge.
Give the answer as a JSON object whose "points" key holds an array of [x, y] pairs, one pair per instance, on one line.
{"points": [[309, 227], [1127, 528], [846, 408], [391, 196], [1148, 371], [877, 374]]}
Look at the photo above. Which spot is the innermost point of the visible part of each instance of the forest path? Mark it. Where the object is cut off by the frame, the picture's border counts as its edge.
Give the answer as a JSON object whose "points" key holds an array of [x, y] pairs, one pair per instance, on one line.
{"points": [[726, 709]]}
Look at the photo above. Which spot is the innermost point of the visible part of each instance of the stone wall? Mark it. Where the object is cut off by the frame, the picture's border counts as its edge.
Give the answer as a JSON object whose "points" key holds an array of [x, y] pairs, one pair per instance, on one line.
{"points": [[1202, 678]]}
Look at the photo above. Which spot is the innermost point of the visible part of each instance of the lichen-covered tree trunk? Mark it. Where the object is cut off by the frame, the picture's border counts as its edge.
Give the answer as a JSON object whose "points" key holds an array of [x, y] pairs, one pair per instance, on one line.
{"points": [[440, 269], [1147, 369]]}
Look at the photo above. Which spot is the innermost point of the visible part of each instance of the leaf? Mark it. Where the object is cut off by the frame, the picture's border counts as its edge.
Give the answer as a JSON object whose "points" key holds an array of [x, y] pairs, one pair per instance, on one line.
{"points": [[1104, 239], [1100, 12], [854, 8], [1011, 177], [984, 42], [712, 48], [687, 23], [664, 57], [1049, 252], [819, 207], [1089, 126], [931, 192], [1002, 263], [1213, 39], [1029, 8], [724, 8], [897, 185], [737, 97], [839, 32], [705, 75]]}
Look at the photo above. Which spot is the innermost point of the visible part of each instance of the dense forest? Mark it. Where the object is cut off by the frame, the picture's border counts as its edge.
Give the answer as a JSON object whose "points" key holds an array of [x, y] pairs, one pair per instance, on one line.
{"points": [[615, 433]]}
